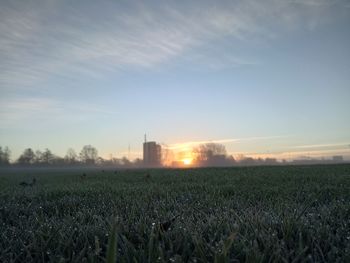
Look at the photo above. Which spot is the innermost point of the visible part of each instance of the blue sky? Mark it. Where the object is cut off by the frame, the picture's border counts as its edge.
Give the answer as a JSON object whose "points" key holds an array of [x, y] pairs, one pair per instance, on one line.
{"points": [[266, 78]]}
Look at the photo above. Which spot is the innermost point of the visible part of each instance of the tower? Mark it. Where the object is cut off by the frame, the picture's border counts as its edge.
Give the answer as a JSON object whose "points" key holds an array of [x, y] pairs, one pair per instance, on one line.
{"points": [[152, 154]]}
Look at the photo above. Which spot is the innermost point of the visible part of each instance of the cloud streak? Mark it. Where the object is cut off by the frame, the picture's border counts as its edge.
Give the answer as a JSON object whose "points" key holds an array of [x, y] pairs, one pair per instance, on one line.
{"points": [[44, 39], [190, 144], [316, 146], [295, 154], [25, 111]]}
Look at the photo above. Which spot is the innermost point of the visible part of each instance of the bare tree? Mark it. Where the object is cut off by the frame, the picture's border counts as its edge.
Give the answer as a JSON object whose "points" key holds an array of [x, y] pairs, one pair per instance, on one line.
{"points": [[138, 162], [168, 156], [71, 156], [27, 157], [88, 154], [47, 157], [126, 162], [38, 157], [5, 156], [205, 152]]}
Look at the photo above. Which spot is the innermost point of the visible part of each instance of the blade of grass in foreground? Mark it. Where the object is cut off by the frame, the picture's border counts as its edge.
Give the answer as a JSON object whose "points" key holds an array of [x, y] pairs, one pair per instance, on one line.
{"points": [[112, 245]]}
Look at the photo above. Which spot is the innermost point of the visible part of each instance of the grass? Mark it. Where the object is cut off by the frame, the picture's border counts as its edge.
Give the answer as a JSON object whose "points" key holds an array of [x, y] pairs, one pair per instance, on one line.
{"points": [[256, 214]]}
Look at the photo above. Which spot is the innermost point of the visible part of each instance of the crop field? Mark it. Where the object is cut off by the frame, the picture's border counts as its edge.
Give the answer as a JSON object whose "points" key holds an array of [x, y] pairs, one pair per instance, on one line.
{"points": [[241, 214]]}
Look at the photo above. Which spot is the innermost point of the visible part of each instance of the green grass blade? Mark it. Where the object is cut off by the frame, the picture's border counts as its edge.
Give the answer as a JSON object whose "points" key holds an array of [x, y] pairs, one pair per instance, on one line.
{"points": [[112, 245]]}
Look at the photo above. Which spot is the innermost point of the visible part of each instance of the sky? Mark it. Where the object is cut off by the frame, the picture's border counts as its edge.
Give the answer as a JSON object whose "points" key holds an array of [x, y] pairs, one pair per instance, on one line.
{"points": [[265, 78]]}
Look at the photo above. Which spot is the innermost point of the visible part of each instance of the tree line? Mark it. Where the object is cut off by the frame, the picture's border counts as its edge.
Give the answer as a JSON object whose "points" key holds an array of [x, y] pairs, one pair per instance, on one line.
{"points": [[215, 154], [88, 156], [205, 155], [210, 154]]}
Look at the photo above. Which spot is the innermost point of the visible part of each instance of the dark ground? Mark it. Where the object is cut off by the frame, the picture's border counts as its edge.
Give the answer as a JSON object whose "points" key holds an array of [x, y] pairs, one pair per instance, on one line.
{"points": [[255, 214]]}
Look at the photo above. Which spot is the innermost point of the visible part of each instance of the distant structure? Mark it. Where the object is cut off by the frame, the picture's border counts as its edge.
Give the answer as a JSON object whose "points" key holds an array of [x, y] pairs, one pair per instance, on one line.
{"points": [[152, 154], [338, 158]]}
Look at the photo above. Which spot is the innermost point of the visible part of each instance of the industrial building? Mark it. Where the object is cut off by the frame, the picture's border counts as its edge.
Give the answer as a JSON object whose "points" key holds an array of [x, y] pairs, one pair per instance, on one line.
{"points": [[152, 154]]}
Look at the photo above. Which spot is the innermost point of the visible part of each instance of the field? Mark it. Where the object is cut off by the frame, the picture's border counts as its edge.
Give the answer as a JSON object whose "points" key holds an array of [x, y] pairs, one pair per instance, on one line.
{"points": [[255, 214]]}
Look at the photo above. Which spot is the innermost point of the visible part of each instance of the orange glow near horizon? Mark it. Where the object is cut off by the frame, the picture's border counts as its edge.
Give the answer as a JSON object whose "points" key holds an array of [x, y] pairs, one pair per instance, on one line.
{"points": [[181, 157], [187, 161]]}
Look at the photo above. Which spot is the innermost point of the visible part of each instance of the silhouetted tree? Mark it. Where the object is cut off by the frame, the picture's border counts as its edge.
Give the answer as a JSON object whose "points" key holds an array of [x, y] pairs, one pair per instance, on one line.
{"points": [[101, 161], [212, 154], [5, 156], [88, 154], [58, 161], [168, 156], [38, 157], [116, 162], [44, 158], [126, 162], [247, 161], [271, 161], [231, 160], [71, 156], [47, 157], [27, 157], [138, 162], [205, 152]]}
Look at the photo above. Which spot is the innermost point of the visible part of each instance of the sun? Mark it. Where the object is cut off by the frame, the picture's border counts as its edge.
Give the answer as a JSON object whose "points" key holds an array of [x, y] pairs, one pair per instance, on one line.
{"points": [[187, 161]]}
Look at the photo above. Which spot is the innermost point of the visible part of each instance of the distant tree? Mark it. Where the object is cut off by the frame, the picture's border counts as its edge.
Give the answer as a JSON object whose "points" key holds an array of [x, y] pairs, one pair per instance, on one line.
{"points": [[44, 158], [168, 156], [71, 156], [126, 162], [205, 152], [248, 161], [271, 161], [27, 157], [212, 154], [231, 160], [38, 157], [58, 161], [5, 156], [88, 154], [101, 161], [240, 157], [138, 162], [116, 162], [47, 157], [259, 161], [1, 155]]}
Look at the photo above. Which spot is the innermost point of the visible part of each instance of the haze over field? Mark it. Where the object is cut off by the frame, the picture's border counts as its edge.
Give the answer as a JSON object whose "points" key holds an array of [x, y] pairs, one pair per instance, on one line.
{"points": [[264, 78]]}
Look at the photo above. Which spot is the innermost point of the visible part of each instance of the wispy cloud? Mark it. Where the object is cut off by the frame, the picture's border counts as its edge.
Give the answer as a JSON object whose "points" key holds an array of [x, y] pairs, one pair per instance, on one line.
{"points": [[190, 144], [324, 150], [44, 39], [22, 112], [18, 110], [295, 154], [315, 2], [328, 145]]}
